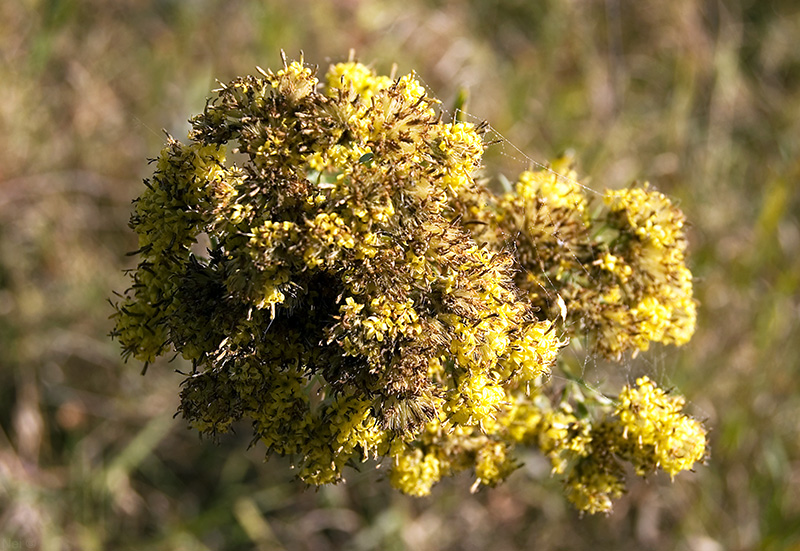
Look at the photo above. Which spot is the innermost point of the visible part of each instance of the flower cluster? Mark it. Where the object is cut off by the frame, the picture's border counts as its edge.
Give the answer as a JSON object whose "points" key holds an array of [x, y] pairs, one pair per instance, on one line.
{"points": [[647, 428], [348, 286], [620, 271]]}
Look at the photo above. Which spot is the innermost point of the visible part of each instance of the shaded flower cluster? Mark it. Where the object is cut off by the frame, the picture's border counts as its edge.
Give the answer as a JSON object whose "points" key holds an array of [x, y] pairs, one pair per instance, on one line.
{"points": [[345, 283]]}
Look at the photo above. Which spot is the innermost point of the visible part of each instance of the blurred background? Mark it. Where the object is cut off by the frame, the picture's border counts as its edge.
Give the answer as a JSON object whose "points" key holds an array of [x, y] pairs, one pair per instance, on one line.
{"points": [[701, 98]]}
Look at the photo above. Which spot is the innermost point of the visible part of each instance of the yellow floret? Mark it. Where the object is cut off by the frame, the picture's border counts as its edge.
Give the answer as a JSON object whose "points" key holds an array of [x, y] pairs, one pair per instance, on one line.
{"points": [[656, 431], [356, 78], [557, 191], [415, 473]]}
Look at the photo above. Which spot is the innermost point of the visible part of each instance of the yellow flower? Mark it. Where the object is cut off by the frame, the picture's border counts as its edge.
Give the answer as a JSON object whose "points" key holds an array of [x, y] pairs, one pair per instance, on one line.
{"points": [[655, 432], [363, 295], [415, 473]]}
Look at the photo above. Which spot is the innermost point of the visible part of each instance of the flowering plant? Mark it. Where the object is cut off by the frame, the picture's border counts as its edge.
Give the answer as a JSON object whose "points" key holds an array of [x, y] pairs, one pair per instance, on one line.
{"points": [[362, 295]]}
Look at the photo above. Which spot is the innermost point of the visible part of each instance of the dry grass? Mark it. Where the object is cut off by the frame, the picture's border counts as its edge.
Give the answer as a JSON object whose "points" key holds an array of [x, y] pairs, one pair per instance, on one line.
{"points": [[703, 99]]}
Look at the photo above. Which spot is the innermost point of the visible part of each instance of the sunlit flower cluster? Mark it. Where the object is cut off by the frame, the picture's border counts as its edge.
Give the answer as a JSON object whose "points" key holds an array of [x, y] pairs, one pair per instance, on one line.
{"points": [[655, 432], [343, 281], [616, 261]]}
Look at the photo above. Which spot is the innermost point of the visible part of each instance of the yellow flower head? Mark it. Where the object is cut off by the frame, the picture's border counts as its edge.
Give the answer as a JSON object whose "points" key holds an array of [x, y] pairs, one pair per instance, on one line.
{"points": [[364, 295]]}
